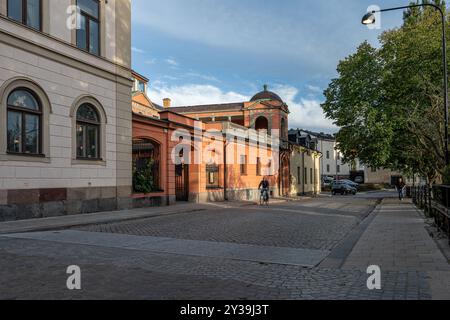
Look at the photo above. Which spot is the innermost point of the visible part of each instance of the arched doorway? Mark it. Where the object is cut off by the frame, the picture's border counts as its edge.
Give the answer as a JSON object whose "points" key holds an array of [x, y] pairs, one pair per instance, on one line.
{"points": [[182, 178], [146, 166], [261, 124]]}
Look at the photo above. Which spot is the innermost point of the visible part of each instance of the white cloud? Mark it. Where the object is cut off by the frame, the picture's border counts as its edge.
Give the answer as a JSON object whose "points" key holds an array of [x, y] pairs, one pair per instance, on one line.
{"points": [[305, 113], [150, 61], [202, 76], [193, 94], [172, 62], [283, 31], [137, 50], [314, 89]]}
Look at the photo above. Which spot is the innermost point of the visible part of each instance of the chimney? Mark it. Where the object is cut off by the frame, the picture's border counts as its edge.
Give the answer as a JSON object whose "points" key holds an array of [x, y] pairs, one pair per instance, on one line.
{"points": [[166, 103]]}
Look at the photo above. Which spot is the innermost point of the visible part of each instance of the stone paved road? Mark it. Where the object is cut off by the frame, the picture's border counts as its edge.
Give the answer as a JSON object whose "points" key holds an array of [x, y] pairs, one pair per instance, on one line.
{"points": [[318, 224], [35, 269]]}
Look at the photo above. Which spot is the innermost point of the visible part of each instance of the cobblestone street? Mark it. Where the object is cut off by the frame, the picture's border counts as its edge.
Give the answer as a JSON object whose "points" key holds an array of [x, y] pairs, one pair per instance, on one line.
{"points": [[312, 249]]}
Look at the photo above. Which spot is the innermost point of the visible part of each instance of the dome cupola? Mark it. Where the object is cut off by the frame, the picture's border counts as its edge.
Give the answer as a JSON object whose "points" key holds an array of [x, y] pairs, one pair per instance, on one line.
{"points": [[266, 95]]}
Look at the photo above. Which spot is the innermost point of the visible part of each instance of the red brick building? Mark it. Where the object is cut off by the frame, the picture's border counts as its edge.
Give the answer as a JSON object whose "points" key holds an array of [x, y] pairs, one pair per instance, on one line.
{"points": [[210, 152]]}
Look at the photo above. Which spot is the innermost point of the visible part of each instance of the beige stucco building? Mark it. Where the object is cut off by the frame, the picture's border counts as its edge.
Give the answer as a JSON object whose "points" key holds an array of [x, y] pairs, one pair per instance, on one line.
{"points": [[65, 92], [389, 177], [305, 171]]}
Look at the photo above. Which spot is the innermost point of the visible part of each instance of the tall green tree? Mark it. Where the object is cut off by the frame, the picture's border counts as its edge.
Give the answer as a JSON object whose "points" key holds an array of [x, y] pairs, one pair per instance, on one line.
{"points": [[389, 101]]}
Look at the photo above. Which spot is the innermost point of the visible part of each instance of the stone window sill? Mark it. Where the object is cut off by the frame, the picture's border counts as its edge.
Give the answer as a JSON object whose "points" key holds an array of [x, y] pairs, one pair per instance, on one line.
{"points": [[24, 158], [81, 162], [214, 188]]}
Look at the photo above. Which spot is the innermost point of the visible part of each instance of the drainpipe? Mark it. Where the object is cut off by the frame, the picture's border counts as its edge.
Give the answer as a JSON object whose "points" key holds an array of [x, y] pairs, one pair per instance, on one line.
{"points": [[315, 176], [303, 173], [280, 176], [225, 171]]}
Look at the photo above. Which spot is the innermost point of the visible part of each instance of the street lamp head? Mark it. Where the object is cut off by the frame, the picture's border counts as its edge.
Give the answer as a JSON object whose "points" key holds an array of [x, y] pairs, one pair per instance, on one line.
{"points": [[369, 18]]}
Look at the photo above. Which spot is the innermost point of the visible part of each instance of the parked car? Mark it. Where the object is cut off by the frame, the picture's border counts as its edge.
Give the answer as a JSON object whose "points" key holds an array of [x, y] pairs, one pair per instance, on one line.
{"points": [[341, 187], [359, 179], [350, 183], [327, 181]]}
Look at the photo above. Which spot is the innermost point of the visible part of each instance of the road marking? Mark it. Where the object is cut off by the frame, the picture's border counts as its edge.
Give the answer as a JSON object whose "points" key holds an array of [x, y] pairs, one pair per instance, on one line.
{"points": [[262, 254]]}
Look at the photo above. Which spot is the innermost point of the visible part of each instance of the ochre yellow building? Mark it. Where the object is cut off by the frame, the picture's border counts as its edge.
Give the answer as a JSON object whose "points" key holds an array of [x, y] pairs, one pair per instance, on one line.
{"points": [[305, 171]]}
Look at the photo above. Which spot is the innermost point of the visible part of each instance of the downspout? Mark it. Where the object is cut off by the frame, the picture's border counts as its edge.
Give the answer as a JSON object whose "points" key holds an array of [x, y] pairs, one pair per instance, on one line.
{"points": [[225, 171], [280, 176], [304, 176], [315, 175]]}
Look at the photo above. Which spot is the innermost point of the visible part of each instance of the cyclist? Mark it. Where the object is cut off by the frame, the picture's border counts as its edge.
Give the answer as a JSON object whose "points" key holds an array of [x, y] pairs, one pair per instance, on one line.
{"points": [[264, 187]]}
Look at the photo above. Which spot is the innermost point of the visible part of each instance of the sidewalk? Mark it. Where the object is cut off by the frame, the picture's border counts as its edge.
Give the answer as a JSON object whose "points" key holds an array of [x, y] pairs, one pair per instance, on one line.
{"points": [[46, 224], [397, 240], [53, 223]]}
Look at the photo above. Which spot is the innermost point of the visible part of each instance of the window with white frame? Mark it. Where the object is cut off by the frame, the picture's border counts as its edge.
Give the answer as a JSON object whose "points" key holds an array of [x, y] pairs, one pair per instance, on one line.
{"points": [[88, 133]]}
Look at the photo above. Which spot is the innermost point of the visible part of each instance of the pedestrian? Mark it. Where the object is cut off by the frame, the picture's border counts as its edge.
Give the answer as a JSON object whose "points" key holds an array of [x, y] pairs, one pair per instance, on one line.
{"points": [[400, 186]]}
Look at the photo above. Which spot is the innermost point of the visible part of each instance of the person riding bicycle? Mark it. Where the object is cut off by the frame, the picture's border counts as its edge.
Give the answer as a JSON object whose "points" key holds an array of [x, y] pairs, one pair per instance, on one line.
{"points": [[264, 187]]}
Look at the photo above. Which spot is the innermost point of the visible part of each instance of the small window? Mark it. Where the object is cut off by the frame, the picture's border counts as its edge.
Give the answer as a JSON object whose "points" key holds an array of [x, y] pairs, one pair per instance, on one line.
{"points": [[243, 165], [328, 168], [258, 166], [212, 176], [269, 168], [27, 12], [24, 123], [328, 154], [141, 86], [88, 32], [338, 169], [283, 128], [305, 176], [88, 133], [311, 176]]}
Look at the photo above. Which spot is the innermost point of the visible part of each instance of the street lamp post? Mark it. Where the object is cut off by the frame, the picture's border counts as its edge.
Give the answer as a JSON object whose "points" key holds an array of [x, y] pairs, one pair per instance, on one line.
{"points": [[369, 18]]}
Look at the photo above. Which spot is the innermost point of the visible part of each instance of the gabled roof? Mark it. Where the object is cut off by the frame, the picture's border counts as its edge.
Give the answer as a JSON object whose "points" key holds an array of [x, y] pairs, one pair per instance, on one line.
{"points": [[209, 108], [139, 76], [141, 98], [321, 135]]}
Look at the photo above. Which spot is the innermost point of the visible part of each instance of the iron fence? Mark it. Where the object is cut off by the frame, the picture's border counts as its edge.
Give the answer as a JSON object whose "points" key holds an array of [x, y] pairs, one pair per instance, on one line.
{"points": [[435, 202]]}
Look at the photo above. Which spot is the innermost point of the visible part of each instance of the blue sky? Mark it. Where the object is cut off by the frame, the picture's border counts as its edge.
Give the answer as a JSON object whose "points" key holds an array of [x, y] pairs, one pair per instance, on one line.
{"points": [[217, 51]]}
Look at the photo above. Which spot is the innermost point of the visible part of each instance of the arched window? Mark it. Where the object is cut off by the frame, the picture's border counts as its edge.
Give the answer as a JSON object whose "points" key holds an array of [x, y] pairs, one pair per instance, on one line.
{"points": [[262, 124], [88, 133], [24, 123]]}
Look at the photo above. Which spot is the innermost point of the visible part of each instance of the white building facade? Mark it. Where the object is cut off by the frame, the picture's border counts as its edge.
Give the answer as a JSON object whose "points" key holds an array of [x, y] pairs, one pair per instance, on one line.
{"points": [[65, 116]]}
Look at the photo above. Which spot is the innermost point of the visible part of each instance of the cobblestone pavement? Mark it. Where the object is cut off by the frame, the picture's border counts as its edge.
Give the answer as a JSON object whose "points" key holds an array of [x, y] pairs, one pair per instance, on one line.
{"points": [[39, 273], [33, 269], [318, 224]]}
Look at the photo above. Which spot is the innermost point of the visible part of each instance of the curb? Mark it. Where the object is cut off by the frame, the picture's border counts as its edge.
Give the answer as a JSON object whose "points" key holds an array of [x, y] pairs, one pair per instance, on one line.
{"points": [[61, 225]]}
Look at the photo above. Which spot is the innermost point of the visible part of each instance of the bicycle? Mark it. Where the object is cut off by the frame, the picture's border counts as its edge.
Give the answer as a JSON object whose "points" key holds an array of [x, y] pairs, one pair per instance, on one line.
{"points": [[264, 198]]}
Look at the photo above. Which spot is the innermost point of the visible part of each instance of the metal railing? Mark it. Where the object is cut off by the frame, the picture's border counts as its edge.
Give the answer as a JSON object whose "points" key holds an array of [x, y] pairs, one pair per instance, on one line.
{"points": [[435, 202]]}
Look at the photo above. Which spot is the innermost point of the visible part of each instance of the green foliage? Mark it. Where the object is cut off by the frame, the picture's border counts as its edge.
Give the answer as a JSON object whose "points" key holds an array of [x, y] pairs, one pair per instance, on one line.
{"points": [[389, 101], [143, 180], [446, 176]]}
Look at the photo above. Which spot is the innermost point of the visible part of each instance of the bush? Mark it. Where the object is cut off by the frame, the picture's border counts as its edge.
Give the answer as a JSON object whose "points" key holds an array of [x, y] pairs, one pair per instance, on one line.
{"points": [[143, 181]]}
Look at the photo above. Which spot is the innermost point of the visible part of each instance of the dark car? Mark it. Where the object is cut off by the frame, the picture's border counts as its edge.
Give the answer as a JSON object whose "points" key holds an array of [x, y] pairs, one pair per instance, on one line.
{"points": [[341, 187]]}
